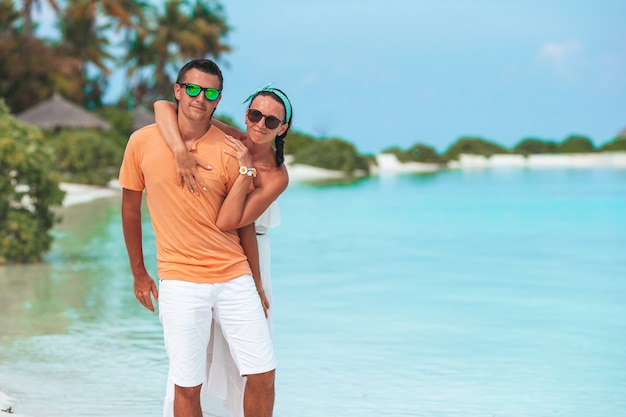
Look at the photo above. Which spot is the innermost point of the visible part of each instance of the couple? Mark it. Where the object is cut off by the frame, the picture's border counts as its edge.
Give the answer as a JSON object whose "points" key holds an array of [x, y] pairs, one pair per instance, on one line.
{"points": [[212, 303]]}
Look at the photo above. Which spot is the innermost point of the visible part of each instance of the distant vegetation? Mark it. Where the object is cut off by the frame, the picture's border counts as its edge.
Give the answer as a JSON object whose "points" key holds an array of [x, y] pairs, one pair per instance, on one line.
{"points": [[329, 153], [618, 144], [529, 146], [93, 157], [417, 153], [475, 146]]}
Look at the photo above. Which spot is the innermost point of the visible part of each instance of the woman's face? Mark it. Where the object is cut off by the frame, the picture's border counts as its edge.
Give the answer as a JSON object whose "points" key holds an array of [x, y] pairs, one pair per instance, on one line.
{"points": [[258, 132]]}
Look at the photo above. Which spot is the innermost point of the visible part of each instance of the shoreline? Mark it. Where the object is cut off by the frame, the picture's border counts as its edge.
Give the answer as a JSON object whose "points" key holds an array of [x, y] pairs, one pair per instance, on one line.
{"points": [[612, 159], [388, 164], [83, 193]]}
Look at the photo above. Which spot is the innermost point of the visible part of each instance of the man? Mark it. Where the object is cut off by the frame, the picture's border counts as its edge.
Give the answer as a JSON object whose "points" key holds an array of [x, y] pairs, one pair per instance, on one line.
{"points": [[203, 271]]}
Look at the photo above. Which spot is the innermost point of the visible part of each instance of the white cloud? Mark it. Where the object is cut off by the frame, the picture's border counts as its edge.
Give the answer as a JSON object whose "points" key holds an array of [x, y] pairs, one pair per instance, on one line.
{"points": [[562, 59]]}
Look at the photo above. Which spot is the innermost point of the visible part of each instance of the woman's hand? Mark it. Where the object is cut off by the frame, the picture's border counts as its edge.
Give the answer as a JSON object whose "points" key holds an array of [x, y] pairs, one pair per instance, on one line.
{"points": [[264, 301], [187, 171], [240, 151]]}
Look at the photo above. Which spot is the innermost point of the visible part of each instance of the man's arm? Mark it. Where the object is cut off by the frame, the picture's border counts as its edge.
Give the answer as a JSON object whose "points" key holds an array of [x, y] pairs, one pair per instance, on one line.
{"points": [[229, 130], [247, 235], [143, 283], [186, 163]]}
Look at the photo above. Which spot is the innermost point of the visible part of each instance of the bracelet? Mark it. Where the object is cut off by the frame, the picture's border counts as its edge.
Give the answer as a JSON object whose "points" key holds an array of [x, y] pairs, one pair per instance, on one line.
{"points": [[251, 172]]}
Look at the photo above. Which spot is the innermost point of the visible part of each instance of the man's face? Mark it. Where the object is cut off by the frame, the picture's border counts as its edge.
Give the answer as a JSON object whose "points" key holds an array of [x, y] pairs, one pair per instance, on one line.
{"points": [[197, 108]]}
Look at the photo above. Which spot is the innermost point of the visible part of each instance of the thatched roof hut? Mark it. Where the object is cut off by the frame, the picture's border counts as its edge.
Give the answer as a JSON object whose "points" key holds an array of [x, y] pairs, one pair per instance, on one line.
{"points": [[59, 113], [141, 118]]}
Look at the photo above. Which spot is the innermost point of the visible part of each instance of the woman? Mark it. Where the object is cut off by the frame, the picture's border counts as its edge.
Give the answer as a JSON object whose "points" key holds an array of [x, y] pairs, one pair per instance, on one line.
{"points": [[259, 152]]}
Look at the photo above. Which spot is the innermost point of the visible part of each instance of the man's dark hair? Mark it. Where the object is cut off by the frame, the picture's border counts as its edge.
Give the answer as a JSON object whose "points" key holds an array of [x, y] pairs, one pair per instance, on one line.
{"points": [[205, 65]]}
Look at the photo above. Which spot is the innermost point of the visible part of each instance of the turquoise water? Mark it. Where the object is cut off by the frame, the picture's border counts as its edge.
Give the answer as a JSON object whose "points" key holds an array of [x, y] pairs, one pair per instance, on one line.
{"points": [[463, 293]]}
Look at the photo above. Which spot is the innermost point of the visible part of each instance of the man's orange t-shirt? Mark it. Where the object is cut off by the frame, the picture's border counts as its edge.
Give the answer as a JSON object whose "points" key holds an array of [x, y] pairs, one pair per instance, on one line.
{"points": [[190, 247]]}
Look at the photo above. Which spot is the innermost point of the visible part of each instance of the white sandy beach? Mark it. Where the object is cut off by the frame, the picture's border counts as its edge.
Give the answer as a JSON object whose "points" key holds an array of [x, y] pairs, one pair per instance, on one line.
{"points": [[82, 193], [579, 160]]}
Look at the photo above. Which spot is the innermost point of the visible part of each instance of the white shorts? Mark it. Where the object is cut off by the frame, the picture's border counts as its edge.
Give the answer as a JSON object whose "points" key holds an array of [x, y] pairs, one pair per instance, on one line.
{"points": [[186, 310]]}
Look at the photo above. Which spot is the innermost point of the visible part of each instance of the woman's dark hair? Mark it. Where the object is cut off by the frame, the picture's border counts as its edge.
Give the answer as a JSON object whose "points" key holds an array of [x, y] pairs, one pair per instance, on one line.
{"points": [[279, 142]]}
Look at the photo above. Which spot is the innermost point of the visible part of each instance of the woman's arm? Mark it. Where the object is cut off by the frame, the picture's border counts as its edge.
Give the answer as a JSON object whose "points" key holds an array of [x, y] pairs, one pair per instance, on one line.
{"points": [[247, 236], [186, 163], [242, 206]]}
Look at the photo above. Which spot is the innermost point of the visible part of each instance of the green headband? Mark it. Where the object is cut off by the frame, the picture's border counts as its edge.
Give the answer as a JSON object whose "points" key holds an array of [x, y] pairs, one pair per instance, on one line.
{"points": [[280, 95]]}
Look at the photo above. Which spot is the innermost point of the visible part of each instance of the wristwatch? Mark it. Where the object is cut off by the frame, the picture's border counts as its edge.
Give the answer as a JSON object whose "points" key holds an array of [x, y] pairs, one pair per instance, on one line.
{"points": [[251, 172]]}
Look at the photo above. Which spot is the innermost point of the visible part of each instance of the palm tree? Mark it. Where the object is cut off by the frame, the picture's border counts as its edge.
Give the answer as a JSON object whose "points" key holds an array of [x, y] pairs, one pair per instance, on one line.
{"points": [[86, 35], [83, 36], [27, 8], [210, 24], [185, 30], [140, 56], [128, 14]]}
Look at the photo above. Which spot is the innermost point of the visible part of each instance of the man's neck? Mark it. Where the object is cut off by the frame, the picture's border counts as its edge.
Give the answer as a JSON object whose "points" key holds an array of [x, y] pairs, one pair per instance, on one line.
{"points": [[192, 131]]}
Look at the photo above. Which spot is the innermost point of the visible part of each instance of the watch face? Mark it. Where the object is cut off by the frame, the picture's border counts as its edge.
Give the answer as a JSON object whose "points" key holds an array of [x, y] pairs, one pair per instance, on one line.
{"points": [[251, 172]]}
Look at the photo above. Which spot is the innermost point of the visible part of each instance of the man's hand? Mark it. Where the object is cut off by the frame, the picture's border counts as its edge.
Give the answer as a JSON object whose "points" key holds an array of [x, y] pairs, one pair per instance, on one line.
{"points": [[187, 171], [145, 288]]}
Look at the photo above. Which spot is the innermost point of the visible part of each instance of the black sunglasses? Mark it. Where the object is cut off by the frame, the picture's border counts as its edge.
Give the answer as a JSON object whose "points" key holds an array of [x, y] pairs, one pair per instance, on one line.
{"points": [[193, 90], [271, 122]]}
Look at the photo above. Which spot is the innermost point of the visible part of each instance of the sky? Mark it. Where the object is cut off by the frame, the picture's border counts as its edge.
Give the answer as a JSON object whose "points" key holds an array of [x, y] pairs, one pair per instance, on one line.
{"points": [[399, 72]]}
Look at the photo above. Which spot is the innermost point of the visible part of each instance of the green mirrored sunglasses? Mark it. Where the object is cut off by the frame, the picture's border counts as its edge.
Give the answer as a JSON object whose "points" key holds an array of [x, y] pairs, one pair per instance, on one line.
{"points": [[193, 90]]}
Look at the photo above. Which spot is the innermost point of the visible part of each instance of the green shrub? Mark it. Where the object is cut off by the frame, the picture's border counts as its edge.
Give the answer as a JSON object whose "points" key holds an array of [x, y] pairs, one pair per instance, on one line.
{"points": [[617, 144], [121, 121], [335, 154], [531, 146], [296, 141], [417, 153], [472, 146], [29, 189], [576, 144], [86, 156]]}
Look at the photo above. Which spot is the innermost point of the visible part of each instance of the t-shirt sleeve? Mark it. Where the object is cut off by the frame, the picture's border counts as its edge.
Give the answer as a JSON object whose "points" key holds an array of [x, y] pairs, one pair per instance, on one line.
{"points": [[131, 175], [231, 171]]}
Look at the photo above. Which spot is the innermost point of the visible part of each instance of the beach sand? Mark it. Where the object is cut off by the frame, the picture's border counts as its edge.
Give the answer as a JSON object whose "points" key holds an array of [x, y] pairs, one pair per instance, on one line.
{"points": [[81, 193], [7, 405]]}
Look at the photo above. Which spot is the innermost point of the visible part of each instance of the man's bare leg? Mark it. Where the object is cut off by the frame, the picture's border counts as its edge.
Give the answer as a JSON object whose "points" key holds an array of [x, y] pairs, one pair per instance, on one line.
{"points": [[258, 396], [187, 401]]}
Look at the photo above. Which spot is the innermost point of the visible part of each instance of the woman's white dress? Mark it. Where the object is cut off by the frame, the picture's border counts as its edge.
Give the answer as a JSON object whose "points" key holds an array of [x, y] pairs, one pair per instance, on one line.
{"points": [[222, 391]]}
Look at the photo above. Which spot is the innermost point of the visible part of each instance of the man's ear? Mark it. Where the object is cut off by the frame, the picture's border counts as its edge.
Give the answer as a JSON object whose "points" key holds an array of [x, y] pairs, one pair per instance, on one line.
{"points": [[177, 92]]}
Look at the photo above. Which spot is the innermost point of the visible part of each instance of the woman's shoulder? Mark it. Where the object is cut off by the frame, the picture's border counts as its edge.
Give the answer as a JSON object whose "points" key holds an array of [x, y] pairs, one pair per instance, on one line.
{"points": [[278, 175], [271, 181]]}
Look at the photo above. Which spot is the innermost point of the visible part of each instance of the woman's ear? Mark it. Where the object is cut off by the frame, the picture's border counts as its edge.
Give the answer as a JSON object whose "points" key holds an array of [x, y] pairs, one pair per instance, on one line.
{"points": [[283, 129]]}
